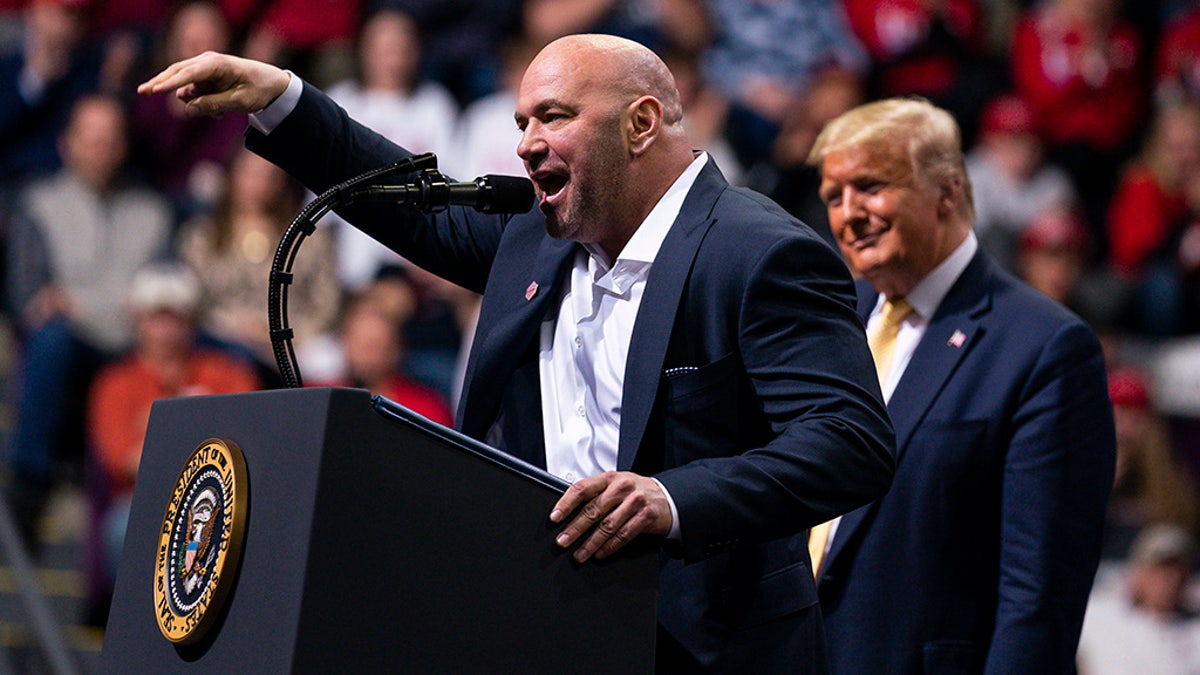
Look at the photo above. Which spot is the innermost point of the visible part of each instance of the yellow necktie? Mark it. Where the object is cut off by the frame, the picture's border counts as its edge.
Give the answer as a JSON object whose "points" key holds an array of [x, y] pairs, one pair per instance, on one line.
{"points": [[882, 342], [882, 339]]}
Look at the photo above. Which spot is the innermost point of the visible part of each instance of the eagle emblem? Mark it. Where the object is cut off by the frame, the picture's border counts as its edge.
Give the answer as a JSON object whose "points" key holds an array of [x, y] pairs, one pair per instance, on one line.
{"points": [[200, 533], [200, 540]]}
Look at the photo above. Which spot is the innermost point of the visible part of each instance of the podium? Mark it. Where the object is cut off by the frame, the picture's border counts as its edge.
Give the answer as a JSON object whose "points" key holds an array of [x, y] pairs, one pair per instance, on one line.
{"points": [[373, 540]]}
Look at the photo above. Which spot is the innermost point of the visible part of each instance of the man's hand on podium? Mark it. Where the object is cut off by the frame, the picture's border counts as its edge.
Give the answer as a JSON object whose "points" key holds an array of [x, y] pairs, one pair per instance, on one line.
{"points": [[213, 84], [614, 507]]}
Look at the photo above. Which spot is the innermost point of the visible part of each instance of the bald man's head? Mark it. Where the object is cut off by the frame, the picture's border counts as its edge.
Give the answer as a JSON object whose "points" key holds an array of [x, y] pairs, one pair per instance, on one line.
{"points": [[624, 67], [602, 136]]}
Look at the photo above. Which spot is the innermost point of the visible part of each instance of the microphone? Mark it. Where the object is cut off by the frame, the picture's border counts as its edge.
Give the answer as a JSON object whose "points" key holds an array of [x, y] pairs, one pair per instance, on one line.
{"points": [[432, 192]]}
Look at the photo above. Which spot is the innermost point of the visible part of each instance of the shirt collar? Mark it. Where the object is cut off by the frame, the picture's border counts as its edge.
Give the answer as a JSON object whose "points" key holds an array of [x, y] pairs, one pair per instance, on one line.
{"points": [[930, 291], [648, 237]]}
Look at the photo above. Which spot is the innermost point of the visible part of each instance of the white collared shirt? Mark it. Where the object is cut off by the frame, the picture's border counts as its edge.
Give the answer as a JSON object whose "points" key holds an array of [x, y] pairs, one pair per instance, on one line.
{"points": [[584, 348], [924, 298]]}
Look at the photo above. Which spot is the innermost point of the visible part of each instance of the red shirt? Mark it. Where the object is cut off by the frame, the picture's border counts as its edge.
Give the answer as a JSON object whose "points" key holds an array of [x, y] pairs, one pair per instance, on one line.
{"points": [[1082, 87], [896, 33], [412, 395], [120, 398], [303, 24], [1140, 218]]}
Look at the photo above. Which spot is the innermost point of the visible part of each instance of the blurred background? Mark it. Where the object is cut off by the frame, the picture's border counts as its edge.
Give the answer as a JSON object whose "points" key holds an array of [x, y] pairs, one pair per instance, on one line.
{"points": [[135, 243]]}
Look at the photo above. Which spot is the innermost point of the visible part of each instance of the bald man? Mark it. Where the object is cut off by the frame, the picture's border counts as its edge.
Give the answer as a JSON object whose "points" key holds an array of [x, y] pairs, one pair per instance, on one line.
{"points": [[684, 352]]}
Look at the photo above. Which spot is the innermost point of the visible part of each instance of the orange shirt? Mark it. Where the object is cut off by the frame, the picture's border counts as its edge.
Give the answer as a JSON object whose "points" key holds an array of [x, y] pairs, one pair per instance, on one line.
{"points": [[120, 398]]}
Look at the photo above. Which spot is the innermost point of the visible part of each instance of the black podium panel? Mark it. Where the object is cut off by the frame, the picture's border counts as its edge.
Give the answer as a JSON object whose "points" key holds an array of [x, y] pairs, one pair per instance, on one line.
{"points": [[377, 541]]}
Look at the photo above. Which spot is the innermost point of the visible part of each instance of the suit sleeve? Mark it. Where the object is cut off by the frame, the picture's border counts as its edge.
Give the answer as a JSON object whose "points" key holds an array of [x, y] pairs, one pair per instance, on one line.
{"points": [[829, 445], [321, 146], [1057, 476]]}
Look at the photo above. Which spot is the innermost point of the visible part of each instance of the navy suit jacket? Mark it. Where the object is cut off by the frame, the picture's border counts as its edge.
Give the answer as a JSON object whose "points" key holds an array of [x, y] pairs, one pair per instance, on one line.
{"points": [[749, 390], [981, 556]]}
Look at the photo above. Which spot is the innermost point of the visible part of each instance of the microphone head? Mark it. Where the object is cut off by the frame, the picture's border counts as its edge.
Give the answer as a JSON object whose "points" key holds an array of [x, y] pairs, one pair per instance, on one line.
{"points": [[505, 194]]}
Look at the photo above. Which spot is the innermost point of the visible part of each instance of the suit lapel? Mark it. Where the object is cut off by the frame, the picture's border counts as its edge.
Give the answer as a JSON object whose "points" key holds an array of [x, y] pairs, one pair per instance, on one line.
{"points": [[508, 321], [951, 333], [660, 303]]}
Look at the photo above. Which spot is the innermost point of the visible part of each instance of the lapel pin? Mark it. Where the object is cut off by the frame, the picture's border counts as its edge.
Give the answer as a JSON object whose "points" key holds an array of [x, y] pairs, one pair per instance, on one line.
{"points": [[531, 291], [957, 339]]}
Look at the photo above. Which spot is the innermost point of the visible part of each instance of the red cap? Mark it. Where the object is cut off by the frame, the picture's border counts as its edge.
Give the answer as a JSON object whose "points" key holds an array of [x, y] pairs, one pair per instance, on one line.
{"points": [[1127, 388], [1007, 114], [1055, 229]]}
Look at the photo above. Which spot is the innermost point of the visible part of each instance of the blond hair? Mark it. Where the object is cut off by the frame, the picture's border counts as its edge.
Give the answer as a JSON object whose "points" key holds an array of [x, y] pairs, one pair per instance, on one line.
{"points": [[929, 135]]}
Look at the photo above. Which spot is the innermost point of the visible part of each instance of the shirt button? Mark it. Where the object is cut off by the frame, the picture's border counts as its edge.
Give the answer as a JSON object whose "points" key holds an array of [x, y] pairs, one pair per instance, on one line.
{"points": [[581, 411], [578, 341], [570, 476]]}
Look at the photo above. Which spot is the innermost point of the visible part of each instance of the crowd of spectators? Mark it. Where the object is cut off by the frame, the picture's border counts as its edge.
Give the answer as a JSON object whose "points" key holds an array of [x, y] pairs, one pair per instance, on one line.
{"points": [[1082, 117]]}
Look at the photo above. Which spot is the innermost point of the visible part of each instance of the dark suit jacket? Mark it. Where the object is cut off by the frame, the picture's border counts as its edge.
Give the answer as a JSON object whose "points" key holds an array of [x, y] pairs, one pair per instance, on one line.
{"points": [[982, 555], [772, 422]]}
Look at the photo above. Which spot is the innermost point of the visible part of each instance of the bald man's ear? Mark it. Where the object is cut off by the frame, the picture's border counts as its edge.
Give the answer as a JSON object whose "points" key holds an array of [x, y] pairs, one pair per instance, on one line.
{"points": [[645, 123]]}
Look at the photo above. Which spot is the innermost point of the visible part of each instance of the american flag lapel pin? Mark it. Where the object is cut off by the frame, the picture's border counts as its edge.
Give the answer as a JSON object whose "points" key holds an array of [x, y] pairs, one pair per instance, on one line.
{"points": [[531, 291], [957, 339]]}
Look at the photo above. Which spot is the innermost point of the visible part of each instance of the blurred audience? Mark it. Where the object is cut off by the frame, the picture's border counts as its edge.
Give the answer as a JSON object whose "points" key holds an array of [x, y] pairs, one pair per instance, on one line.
{"points": [[186, 156], [1010, 179], [463, 41], [78, 238], [766, 55], [1052, 248], [787, 177], [231, 252], [1177, 58], [1150, 214], [1152, 483], [389, 96], [11, 24], [704, 113], [1052, 255], [1146, 621], [373, 349], [125, 32], [487, 135], [39, 85], [439, 332], [1079, 65], [164, 362], [931, 48], [388, 92], [312, 37], [663, 25]]}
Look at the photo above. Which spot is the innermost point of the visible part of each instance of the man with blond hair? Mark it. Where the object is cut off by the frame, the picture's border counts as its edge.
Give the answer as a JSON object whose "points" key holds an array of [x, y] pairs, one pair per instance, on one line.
{"points": [[981, 556]]}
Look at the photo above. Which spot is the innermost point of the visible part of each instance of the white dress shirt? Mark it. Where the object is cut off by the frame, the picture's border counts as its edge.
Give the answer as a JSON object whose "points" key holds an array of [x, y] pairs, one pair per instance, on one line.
{"points": [[924, 298], [584, 348]]}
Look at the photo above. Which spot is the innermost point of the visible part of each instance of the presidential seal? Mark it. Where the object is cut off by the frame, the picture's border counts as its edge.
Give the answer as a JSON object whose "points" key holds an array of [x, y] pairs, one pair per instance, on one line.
{"points": [[200, 541]]}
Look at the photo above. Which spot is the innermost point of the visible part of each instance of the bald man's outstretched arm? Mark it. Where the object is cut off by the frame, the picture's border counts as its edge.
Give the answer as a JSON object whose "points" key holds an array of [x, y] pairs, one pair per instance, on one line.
{"points": [[213, 84]]}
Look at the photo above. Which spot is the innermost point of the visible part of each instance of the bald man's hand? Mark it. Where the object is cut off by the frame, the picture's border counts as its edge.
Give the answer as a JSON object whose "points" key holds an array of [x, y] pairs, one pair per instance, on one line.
{"points": [[614, 507], [213, 84]]}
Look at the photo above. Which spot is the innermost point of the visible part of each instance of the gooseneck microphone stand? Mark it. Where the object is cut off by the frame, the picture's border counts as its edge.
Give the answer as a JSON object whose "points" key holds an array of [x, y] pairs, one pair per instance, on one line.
{"points": [[303, 226]]}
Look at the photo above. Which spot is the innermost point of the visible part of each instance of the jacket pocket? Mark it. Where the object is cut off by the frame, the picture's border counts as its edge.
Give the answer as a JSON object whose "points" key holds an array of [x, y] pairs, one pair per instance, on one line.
{"points": [[688, 381], [702, 417], [779, 594]]}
